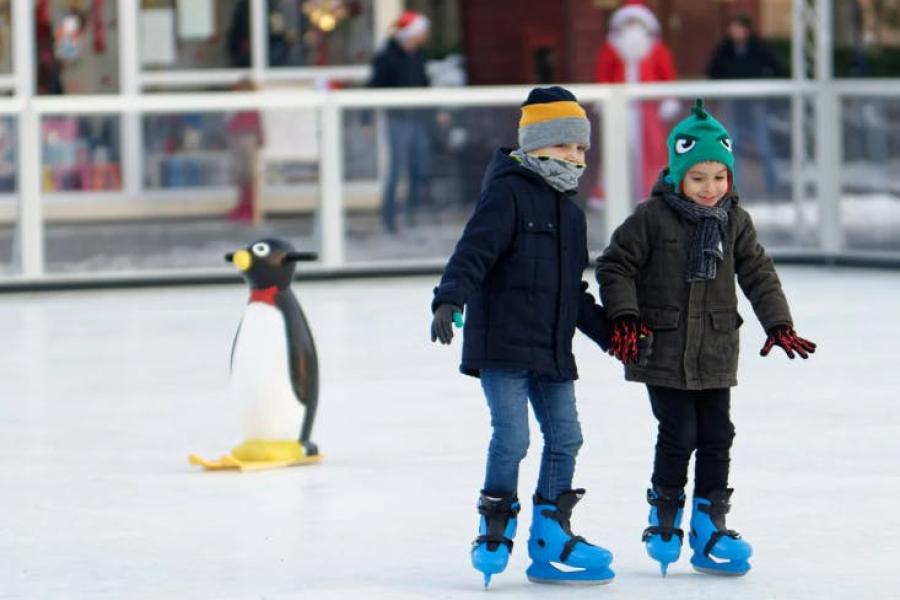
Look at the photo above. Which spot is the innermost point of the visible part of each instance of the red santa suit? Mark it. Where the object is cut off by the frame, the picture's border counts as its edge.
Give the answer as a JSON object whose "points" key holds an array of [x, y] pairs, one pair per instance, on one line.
{"points": [[634, 53]]}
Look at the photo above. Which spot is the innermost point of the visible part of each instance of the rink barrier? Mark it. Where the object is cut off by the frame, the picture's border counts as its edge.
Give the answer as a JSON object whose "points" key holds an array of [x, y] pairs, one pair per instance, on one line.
{"points": [[331, 105]]}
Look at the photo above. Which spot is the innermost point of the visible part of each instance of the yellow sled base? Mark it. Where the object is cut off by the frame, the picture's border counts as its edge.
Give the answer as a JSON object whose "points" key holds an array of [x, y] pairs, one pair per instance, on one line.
{"points": [[259, 455]]}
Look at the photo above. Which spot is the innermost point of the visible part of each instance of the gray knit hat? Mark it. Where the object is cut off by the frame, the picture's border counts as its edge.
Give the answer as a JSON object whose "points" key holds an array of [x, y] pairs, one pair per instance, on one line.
{"points": [[552, 116]]}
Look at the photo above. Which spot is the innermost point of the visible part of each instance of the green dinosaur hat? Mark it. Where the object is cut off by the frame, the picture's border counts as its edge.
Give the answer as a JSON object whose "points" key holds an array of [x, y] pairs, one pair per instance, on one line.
{"points": [[698, 138]]}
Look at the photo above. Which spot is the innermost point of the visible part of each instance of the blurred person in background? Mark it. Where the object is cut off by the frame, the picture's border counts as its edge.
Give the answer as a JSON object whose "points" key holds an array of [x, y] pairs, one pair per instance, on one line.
{"points": [[401, 63], [245, 138], [743, 55], [867, 114], [634, 52]]}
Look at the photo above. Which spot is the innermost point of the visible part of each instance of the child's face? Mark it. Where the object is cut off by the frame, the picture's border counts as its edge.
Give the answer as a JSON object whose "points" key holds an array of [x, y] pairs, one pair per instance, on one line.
{"points": [[573, 153], [706, 183]]}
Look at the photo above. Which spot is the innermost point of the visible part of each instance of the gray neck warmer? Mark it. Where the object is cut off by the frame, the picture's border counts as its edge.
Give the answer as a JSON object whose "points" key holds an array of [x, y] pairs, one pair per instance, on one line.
{"points": [[560, 174]]}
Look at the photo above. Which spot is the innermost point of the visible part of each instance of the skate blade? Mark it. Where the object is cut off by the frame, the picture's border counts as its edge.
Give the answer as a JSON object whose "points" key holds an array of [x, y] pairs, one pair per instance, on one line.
{"points": [[551, 575], [572, 582], [720, 572], [706, 571]]}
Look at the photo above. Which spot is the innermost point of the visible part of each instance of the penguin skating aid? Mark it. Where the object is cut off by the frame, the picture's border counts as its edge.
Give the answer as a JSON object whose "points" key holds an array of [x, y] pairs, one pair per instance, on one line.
{"points": [[274, 366]]}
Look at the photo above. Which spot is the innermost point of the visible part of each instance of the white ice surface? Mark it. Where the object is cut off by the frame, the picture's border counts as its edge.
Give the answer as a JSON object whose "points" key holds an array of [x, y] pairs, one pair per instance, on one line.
{"points": [[103, 395]]}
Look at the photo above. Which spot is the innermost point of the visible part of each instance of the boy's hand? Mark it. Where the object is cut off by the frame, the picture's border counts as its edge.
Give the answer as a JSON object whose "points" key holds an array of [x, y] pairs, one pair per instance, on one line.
{"points": [[632, 341], [789, 341], [442, 323]]}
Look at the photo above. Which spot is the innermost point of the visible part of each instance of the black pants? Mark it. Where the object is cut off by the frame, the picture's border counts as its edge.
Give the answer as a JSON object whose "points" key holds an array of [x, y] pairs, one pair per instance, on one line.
{"points": [[692, 420]]}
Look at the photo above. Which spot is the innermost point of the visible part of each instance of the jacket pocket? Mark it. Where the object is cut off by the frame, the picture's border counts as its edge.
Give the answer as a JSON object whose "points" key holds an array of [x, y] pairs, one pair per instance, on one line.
{"points": [[721, 344], [661, 318], [538, 238], [668, 339]]}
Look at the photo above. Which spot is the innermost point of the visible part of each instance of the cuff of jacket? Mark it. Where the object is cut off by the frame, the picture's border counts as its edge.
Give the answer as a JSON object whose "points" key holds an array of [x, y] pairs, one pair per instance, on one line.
{"points": [[447, 293]]}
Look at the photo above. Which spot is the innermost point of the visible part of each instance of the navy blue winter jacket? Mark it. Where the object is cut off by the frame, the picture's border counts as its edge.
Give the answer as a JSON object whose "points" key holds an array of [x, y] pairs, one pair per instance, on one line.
{"points": [[517, 270]]}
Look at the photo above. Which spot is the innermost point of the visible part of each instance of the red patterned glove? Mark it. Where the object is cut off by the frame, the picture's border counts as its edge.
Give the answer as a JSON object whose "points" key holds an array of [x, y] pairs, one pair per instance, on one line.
{"points": [[630, 341], [790, 342]]}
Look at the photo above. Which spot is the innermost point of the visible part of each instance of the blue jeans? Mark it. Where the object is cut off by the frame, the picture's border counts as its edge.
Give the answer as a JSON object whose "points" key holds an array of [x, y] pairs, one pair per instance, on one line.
{"points": [[508, 392], [408, 140]]}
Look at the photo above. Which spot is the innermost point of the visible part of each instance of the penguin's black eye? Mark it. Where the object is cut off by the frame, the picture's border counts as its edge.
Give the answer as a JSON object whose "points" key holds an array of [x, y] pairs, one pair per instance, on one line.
{"points": [[261, 249], [683, 145], [726, 143]]}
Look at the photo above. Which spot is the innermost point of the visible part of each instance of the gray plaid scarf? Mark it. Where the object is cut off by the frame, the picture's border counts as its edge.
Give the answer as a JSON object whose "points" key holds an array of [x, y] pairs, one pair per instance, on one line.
{"points": [[707, 247], [560, 174]]}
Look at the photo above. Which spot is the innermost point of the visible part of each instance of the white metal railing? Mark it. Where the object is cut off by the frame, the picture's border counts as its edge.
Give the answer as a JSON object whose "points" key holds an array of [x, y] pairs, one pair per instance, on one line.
{"points": [[331, 105]]}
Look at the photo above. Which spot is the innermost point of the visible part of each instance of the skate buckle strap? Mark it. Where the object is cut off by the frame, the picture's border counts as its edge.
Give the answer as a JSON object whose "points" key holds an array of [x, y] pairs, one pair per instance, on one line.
{"points": [[569, 546], [493, 539], [665, 532], [497, 511], [718, 535]]}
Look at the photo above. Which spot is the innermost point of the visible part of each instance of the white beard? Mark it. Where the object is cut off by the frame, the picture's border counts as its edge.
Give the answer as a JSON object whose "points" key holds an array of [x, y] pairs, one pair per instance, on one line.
{"points": [[632, 42]]}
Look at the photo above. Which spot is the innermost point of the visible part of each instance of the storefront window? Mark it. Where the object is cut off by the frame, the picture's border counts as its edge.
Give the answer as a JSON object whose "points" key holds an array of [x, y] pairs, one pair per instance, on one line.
{"points": [[200, 34], [76, 46], [319, 32], [186, 150], [867, 38], [8, 150], [81, 153], [5, 37]]}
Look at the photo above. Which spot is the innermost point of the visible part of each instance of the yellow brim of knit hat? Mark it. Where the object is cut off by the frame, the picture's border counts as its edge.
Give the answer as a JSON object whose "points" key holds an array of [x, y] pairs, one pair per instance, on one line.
{"points": [[547, 111]]}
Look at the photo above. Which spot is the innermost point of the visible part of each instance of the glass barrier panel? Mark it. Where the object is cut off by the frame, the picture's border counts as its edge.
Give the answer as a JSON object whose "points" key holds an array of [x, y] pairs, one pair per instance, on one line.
{"points": [[870, 201], [413, 177], [9, 205], [213, 183]]}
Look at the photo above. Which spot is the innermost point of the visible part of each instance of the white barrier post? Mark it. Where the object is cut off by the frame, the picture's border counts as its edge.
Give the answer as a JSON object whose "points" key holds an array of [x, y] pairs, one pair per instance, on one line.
{"points": [[615, 160], [31, 218], [129, 65], [829, 135], [331, 201]]}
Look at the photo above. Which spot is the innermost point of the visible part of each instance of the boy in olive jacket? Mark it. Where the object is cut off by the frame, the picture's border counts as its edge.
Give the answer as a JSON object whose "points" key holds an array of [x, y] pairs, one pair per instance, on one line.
{"points": [[670, 269]]}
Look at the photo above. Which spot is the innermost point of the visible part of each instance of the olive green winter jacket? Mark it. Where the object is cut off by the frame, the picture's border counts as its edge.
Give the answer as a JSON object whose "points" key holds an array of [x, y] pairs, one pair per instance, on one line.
{"points": [[695, 325]]}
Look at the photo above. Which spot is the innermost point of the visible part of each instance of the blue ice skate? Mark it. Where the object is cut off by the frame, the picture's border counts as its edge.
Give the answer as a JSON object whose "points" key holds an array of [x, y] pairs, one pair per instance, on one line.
{"points": [[717, 550], [496, 530], [558, 555], [663, 537]]}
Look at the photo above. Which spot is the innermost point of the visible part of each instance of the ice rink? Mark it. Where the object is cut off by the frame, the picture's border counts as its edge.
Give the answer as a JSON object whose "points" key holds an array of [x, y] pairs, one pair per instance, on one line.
{"points": [[104, 394]]}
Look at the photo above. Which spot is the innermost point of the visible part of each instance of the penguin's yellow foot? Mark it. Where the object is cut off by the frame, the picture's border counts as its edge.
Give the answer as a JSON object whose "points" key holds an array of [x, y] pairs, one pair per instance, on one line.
{"points": [[268, 451], [257, 455]]}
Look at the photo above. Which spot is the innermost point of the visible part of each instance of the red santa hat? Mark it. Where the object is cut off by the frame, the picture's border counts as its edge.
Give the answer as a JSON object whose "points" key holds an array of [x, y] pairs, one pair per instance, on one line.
{"points": [[411, 24], [635, 9]]}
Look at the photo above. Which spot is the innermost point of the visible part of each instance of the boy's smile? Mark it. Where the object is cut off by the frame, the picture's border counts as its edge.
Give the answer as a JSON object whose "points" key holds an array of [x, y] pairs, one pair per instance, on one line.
{"points": [[706, 183]]}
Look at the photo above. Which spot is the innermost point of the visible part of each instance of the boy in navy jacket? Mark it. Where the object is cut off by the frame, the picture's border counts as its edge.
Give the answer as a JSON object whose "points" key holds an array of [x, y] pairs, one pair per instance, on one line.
{"points": [[517, 270]]}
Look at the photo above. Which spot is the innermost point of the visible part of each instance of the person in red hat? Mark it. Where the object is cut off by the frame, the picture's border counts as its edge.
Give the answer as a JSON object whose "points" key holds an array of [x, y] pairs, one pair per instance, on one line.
{"points": [[634, 52], [401, 63]]}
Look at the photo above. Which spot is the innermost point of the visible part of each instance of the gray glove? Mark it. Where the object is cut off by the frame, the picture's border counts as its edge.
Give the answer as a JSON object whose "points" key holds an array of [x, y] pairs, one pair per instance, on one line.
{"points": [[442, 324]]}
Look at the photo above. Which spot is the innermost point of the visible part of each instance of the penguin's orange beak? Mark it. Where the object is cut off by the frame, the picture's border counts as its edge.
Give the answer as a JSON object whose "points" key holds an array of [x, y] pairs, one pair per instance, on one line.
{"points": [[242, 260]]}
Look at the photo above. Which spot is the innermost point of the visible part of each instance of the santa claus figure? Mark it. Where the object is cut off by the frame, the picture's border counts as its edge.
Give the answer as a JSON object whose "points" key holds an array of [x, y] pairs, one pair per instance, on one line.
{"points": [[635, 53]]}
